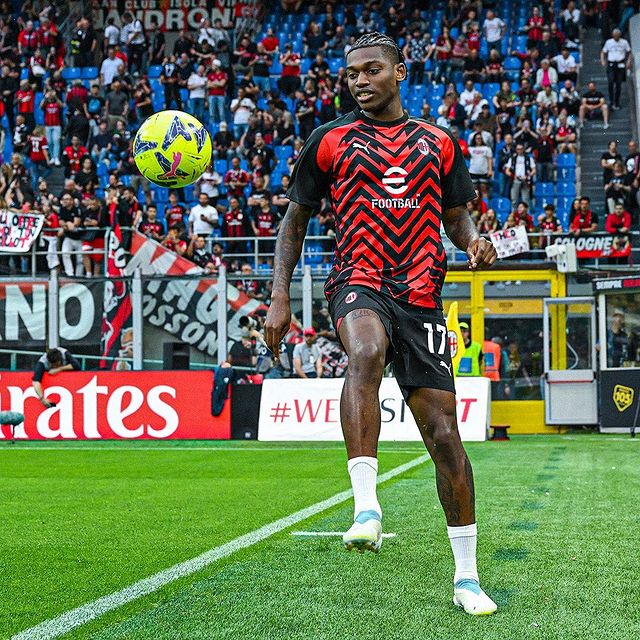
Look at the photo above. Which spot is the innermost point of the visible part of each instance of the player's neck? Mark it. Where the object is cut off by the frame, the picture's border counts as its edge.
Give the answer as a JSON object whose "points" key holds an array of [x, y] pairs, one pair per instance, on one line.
{"points": [[393, 111]]}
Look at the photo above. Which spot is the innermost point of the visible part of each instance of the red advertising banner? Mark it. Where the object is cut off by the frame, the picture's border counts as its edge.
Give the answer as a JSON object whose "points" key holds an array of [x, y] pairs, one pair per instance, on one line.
{"points": [[110, 405], [592, 246]]}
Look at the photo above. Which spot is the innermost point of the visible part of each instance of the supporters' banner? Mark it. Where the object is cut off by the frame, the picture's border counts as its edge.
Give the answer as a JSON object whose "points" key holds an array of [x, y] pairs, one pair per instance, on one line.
{"points": [[310, 410], [117, 321], [23, 313], [114, 405], [510, 242], [184, 307], [173, 15], [18, 231], [590, 246]]}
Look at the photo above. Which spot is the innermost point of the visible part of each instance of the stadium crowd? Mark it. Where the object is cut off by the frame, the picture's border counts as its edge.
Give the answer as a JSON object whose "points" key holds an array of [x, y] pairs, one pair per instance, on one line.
{"points": [[502, 75]]}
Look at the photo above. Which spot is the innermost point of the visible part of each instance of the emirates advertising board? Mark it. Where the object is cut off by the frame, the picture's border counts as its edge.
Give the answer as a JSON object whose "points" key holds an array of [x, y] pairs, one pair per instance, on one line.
{"points": [[310, 410], [114, 405]]}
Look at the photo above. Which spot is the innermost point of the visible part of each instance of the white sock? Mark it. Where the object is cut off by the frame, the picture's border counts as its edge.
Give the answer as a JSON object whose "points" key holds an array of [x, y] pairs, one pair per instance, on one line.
{"points": [[364, 474], [463, 544]]}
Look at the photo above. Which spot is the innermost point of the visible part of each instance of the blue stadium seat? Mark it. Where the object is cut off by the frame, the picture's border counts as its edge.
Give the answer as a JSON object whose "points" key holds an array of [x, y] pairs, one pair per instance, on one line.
{"points": [[220, 166], [89, 73], [565, 202], [72, 73], [566, 174], [544, 190], [282, 151], [567, 189], [313, 253], [335, 64], [24, 74], [154, 71], [276, 67], [305, 65], [501, 205], [566, 160]]}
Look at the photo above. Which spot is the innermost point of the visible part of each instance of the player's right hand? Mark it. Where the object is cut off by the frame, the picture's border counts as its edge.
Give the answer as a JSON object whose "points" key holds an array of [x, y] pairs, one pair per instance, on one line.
{"points": [[277, 323]]}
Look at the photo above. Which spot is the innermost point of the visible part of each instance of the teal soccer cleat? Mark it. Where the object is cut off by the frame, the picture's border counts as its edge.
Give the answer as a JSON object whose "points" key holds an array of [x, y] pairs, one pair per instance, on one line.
{"points": [[468, 595], [365, 533]]}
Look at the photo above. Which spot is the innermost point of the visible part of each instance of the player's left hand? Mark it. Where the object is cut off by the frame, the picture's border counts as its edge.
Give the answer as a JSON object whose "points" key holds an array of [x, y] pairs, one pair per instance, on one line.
{"points": [[481, 254]]}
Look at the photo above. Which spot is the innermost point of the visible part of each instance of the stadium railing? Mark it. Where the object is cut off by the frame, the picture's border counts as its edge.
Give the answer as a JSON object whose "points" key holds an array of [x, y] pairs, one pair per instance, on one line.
{"points": [[318, 252]]}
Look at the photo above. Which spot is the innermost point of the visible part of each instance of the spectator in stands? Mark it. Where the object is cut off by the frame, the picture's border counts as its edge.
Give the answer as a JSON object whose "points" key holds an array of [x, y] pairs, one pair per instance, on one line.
{"points": [[217, 80], [72, 157], [534, 28], [618, 221], [544, 154], [616, 58], [548, 224], [223, 143], [474, 67], [443, 53], [169, 77], [494, 71], [505, 153], [493, 29], [236, 179], [127, 211], [569, 98], [175, 213], [525, 135], [593, 104], [451, 112], [305, 113], [117, 105], [307, 361], [71, 222], [618, 188], [488, 222], [546, 76], [242, 354], [235, 224], [157, 43], [481, 165], [150, 225], [608, 159], [203, 218], [584, 220], [197, 253], [521, 170], [570, 17], [279, 198], [110, 69], [173, 241], [566, 65], [94, 219], [25, 98], [242, 107], [208, 183], [132, 40], [248, 284], [197, 84], [565, 136]]}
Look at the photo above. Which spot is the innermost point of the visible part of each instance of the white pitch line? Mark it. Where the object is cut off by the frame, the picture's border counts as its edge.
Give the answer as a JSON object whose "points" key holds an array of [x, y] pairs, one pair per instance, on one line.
{"points": [[79, 616], [322, 534], [165, 449]]}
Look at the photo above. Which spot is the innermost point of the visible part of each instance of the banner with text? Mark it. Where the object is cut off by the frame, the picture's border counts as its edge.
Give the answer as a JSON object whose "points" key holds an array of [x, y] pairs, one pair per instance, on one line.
{"points": [[510, 242], [114, 405], [18, 231], [23, 313], [173, 15], [184, 307], [589, 246], [310, 410]]}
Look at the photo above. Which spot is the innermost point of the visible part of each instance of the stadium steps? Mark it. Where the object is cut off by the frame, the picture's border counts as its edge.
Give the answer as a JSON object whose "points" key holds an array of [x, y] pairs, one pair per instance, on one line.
{"points": [[593, 137]]}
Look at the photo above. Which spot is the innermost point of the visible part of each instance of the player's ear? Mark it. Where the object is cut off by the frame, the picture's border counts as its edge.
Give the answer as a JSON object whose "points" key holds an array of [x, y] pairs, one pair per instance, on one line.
{"points": [[401, 71]]}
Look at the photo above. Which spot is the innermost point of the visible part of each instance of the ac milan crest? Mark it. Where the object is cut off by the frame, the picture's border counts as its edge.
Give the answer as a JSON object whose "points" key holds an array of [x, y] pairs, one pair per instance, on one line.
{"points": [[453, 343], [351, 297]]}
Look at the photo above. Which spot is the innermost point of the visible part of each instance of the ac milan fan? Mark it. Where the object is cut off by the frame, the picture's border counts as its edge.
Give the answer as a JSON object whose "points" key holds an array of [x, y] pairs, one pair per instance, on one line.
{"points": [[72, 157], [235, 224], [150, 225], [175, 212], [392, 181], [236, 179]]}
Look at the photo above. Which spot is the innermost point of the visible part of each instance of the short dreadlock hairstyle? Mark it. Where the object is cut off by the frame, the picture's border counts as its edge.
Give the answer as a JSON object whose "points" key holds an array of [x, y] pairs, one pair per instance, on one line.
{"points": [[376, 39]]}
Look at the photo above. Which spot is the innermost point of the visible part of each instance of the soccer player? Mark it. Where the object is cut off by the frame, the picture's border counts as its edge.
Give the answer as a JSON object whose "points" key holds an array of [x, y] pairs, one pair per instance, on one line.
{"points": [[391, 180]]}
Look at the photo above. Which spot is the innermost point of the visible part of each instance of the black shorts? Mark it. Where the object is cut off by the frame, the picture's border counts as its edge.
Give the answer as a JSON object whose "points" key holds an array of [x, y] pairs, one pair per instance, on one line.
{"points": [[418, 340]]}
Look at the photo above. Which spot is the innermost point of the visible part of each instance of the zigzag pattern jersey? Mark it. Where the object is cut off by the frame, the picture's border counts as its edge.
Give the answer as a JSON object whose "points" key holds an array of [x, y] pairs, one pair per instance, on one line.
{"points": [[388, 184]]}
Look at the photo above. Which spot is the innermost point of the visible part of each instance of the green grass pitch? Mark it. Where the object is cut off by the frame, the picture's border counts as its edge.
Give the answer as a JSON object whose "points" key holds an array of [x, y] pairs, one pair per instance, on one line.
{"points": [[558, 518]]}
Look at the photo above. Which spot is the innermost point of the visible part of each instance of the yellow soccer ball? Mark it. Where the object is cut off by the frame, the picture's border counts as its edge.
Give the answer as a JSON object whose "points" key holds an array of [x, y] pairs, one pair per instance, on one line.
{"points": [[172, 149]]}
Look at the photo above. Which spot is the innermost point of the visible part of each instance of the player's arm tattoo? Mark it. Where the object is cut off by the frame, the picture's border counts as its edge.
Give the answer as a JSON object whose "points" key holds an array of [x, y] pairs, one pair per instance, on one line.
{"points": [[289, 246], [460, 227]]}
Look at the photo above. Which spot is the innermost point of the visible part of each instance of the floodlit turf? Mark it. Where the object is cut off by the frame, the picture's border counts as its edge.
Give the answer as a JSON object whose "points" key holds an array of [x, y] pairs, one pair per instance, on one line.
{"points": [[558, 520]]}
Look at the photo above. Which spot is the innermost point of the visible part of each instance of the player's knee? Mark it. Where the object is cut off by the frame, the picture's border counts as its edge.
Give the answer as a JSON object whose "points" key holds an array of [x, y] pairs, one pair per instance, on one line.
{"points": [[444, 433], [366, 357]]}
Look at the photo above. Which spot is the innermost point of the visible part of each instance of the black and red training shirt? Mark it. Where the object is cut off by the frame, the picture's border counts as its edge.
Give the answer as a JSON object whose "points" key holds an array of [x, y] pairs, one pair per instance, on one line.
{"points": [[388, 184]]}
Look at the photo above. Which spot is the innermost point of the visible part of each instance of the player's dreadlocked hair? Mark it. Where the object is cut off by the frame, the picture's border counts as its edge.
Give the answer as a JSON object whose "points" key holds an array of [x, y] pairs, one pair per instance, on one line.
{"points": [[376, 39]]}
